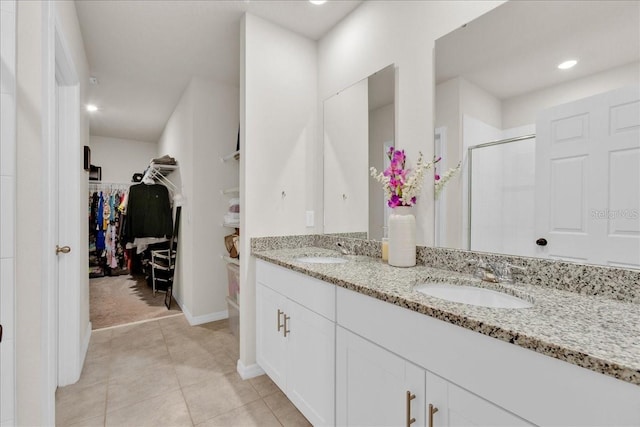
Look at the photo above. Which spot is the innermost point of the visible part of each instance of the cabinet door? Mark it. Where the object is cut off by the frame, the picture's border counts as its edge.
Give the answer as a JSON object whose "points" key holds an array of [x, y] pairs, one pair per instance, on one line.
{"points": [[311, 364], [457, 407], [372, 385], [271, 343]]}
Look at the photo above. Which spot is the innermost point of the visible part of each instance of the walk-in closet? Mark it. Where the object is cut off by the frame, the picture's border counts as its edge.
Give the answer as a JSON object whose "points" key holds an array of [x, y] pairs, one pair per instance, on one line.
{"points": [[133, 230]]}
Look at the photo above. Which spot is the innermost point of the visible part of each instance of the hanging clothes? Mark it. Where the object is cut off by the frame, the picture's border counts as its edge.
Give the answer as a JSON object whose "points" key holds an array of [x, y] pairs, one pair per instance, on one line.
{"points": [[106, 252], [148, 212], [100, 224]]}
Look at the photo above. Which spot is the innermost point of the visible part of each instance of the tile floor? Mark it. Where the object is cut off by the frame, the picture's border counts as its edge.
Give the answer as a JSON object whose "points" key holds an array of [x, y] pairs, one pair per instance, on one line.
{"points": [[168, 373]]}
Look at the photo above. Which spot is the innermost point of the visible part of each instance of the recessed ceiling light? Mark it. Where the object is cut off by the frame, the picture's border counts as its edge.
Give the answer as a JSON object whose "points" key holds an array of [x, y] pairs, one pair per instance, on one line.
{"points": [[567, 64], [91, 108], [317, 2]]}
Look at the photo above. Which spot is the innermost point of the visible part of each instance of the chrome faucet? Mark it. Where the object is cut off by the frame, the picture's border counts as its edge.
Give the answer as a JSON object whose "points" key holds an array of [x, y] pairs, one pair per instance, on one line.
{"points": [[342, 247], [496, 271]]}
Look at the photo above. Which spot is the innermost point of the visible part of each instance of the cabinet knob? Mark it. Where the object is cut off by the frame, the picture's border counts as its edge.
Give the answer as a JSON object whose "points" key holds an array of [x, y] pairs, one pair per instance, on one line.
{"points": [[541, 242], [410, 397]]}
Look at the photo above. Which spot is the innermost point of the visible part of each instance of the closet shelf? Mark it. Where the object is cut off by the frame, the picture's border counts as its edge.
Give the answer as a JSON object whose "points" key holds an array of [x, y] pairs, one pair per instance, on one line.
{"points": [[231, 224], [230, 260], [234, 155], [231, 190], [157, 172]]}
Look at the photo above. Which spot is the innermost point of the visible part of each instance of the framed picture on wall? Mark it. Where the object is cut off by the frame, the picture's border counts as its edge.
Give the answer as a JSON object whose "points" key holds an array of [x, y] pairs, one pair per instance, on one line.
{"points": [[95, 173], [87, 158]]}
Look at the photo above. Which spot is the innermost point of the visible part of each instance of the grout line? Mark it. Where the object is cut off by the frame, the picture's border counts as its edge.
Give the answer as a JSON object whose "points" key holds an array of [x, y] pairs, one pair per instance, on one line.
{"points": [[138, 322], [106, 397], [271, 410], [173, 366]]}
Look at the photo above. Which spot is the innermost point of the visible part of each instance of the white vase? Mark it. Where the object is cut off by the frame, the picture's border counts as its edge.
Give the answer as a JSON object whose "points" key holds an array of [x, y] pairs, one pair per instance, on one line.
{"points": [[402, 237]]}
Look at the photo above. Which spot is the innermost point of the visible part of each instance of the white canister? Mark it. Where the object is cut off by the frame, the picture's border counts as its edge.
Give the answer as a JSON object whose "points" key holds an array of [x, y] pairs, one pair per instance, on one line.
{"points": [[402, 237]]}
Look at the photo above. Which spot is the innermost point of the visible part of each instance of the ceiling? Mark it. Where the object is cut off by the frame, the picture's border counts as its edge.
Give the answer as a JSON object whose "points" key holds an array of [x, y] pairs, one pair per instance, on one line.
{"points": [[144, 53], [515, 48]]}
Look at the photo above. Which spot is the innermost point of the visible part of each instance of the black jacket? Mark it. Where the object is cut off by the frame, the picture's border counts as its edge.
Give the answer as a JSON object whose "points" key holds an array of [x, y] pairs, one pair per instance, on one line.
{"points": [[148, 212]]}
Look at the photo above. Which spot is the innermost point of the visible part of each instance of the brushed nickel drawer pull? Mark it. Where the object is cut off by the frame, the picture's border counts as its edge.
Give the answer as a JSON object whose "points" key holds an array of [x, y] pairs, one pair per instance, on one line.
{"points": [[432, 410], [280, 325], [286, 328], [410, 397]]}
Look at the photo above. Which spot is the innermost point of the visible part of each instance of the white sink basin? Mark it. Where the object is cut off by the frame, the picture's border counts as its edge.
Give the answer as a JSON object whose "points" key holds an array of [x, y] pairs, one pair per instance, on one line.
{"points": [[321, 260], [472, 295]]}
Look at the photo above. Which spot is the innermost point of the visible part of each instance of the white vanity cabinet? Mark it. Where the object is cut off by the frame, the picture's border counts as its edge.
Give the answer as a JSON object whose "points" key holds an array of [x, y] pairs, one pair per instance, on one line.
{"points": [[453, 406], [473, 379], [296, 338], [346, 358], [375, 387]]}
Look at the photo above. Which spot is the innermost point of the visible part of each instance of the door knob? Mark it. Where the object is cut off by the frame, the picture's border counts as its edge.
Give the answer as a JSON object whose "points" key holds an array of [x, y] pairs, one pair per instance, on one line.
{"points": [[541, 242], [64, 249]]}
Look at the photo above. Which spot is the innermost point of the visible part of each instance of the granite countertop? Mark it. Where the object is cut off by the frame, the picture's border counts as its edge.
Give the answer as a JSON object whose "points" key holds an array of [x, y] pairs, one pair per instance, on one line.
{"points": [[593, 332]]}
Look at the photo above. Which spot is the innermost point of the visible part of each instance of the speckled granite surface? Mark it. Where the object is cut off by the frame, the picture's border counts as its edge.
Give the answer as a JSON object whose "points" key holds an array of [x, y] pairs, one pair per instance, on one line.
{"points": [[594, 332], [611, 282]]}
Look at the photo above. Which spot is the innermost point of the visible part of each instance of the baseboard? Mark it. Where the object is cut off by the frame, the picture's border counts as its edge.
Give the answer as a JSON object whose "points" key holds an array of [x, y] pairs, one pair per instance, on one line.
{"points": [[204, 318], [177, 296], [250, 371]]}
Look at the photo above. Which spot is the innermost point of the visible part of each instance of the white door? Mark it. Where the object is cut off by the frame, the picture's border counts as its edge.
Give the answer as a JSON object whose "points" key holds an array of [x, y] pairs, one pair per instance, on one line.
{"points": [[271, 344], [374, 386], [311, 364], [66, 291], [588, 180], [452, 406]]}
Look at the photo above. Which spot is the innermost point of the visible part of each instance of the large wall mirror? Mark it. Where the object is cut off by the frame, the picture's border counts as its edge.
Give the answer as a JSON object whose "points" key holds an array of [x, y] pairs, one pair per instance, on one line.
{"points": [[551, 156], [359, 125]]}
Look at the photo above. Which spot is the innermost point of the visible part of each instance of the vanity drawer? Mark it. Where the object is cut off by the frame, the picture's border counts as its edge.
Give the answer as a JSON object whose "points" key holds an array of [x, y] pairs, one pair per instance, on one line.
{"points": [[311, 293]]}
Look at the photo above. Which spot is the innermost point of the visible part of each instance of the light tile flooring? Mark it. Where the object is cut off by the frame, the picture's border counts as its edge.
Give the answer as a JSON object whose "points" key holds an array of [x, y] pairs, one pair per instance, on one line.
{"points": [[168, 373]]}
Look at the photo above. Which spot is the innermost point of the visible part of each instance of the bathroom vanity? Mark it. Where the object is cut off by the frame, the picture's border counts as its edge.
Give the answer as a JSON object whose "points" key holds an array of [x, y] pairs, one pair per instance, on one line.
{"points": [[355, 344]]}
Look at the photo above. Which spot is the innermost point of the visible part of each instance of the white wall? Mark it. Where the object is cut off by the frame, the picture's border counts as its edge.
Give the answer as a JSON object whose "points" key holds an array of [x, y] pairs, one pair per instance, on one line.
{"points": [[7, 209], [447, 115], [346, 160], [29, 223], [202, 129], [121, 158], [215, 135], [177, 141], [381, 131], [278, 115], [33, 25], [454, 99], [524, 109], [379, 33]]}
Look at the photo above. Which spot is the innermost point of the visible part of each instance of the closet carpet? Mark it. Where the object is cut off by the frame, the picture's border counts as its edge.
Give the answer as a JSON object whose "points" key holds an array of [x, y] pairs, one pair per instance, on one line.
{"points": [[118, 300]]}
